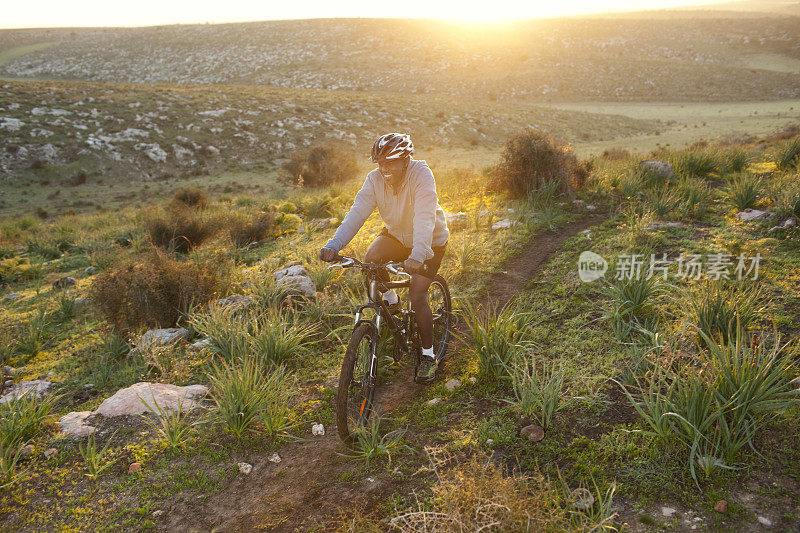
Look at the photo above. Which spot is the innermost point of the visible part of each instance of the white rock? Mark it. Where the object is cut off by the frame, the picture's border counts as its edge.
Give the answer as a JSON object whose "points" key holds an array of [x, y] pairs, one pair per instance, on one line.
{"points": [[38, 387], [504, 224], [157, 513], [318, 430], [274, 458], [300, 285], [50, 452], [10, 124], [659, 225], [659, 168], [126, 401], [200, 345], [452, 384], [473, 380], [753, 214], [161, 337], [294, 270], [764, 521], [668, 511], [489, 442], [245, 468], [234, 302], [434, 401], [74, 424]]}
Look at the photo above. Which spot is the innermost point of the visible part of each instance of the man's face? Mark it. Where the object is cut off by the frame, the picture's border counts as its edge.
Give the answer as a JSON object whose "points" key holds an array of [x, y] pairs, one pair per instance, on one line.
{"points": [[392, 170]]}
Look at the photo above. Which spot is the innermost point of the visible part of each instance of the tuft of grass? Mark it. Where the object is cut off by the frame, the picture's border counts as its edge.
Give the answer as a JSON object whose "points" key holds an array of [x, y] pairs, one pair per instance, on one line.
{"points": [[787, 154], [696, 198], [171, 424], [538, 386], [634, 303], [722, 312], [65, 305], [21, 417], [9, 459], [97, 460], [661, 201], [695, 163], [498, 340], [744, 192], [369, 444]]}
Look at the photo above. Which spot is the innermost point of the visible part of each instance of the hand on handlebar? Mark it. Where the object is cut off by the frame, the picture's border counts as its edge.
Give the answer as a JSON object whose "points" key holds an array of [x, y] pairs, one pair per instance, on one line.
{"points": [[328, 255]]}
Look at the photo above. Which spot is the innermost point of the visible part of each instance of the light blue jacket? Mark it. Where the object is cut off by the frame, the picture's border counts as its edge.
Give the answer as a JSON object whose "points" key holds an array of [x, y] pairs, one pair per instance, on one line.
{"points": [[411, 213]]}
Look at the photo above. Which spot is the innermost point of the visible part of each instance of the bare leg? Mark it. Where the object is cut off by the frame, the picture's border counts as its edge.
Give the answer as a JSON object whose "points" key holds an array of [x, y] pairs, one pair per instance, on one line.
{"points": [[384, 249], [419, 302]]}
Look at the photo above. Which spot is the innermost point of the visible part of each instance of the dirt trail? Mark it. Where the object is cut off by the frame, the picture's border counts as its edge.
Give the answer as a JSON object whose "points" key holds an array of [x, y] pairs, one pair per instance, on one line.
{"points": [[311, 483]]}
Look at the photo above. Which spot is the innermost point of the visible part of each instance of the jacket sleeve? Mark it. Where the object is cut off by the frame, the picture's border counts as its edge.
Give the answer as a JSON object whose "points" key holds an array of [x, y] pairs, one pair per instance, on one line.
{"points": [[425, 202], [363, 206]]}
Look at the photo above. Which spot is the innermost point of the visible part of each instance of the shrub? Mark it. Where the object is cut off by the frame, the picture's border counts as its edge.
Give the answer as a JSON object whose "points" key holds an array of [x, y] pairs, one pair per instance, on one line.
{"points": [[615, 154], [157, 291], [721, 313], [245, 230], [531, 160], [178, 229], [695, 164], [321, 165], [190, 197]]}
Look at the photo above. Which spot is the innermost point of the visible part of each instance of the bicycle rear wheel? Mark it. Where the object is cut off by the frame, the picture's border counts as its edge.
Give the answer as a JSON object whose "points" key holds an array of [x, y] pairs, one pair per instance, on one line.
{"points": [[440, 304], [354, 399]]}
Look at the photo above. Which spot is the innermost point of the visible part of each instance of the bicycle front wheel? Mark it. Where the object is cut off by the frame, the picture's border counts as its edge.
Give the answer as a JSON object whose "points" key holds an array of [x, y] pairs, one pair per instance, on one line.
{"points": [[354, 399], [439, 302]]}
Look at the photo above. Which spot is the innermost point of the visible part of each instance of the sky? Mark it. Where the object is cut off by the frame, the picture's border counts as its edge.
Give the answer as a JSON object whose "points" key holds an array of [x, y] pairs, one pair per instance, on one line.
{"points": [[60, 13]]}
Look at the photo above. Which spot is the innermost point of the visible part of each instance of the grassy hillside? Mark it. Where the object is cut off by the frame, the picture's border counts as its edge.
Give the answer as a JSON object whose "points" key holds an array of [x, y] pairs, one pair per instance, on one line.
{"points": [[684, 58]]}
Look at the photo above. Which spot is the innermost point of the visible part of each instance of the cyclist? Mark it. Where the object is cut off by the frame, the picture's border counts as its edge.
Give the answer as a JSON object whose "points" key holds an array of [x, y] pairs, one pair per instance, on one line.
{"points": [[415, 230]]}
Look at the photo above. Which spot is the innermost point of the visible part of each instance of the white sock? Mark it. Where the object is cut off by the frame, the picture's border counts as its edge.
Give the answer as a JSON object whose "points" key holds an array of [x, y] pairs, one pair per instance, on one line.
{"points": [[390, 296], [428, 352]]}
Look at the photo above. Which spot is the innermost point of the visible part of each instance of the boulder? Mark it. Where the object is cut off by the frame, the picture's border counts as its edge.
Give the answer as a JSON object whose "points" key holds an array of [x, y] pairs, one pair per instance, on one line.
{"points": [[753, 214], [127, 401], [299, 285], [533, 432], [292, 270], [318, 430], [161, 337], [506, 223], [245, 468], [74, 424], [234, 302], [63, 283], [37, 387], [659, 168], [452, 384]]}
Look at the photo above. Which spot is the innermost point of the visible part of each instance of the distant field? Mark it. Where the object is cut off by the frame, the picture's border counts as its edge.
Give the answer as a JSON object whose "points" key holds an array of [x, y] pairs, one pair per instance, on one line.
{"points": [[686, 122]]}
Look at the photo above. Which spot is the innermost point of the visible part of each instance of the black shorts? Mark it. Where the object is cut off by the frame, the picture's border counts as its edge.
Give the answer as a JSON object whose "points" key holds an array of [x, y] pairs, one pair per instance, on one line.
{"points": [[431, 266]]}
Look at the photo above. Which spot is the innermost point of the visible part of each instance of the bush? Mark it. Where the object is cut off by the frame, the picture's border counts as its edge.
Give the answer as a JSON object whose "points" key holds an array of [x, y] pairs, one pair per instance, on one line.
{"points": [[743, 192], [157, 291], [245, 230], [190, 197], [320, 166], [531, 160], [178, 230]]}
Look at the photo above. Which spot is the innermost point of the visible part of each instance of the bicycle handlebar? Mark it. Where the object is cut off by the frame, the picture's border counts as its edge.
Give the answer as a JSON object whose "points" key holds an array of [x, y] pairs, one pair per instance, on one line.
{"points": [[391, 266]]}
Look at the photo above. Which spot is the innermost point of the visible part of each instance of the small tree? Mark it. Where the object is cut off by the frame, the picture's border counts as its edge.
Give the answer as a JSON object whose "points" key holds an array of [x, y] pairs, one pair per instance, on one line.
{"points": [[320, 166]]}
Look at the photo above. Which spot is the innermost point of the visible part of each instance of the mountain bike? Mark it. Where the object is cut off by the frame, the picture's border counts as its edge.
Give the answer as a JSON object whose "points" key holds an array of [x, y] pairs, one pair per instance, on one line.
{"points": [[374, 324]]}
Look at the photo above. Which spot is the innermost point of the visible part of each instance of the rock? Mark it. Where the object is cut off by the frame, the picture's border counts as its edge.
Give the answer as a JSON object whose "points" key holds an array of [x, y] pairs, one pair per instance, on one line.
{"points": [[504, 224], [299, 285], [434, 401], [200, 345], [318, 430], [126, 401], [473, 380], [489, 442], [26, 450], [577, 203], [660, 225], [452, 384], [157, 513], [533, 432], [12, 296], [7, 384], [591, 208], [274, 458], [245, 468], [74, 424], [234, 302], [721, 507], [456, 220], [790, 222], [63, 283], [766, 522], [667, 511], [50, 452], [292, 270], [753, 214], [134, 467], [659, 168], [38, 386], [161, 337], [581, 499], [8, 371], [88, 271]]}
